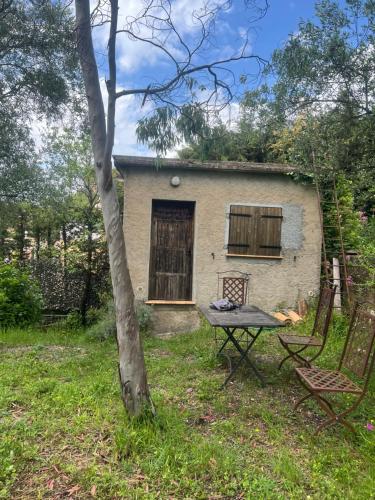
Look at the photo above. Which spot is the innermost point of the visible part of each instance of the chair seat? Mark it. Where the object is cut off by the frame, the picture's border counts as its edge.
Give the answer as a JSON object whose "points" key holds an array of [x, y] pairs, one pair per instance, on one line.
{"points": [[299, 340], [327, 380]]}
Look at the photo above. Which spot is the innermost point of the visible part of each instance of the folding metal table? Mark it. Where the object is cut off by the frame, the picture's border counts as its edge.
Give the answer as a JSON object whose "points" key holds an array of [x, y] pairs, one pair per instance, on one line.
{"points": [[236, 324]]}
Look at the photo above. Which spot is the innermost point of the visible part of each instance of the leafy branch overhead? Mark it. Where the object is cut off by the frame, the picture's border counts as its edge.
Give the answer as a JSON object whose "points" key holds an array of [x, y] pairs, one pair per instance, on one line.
{"points": [[168, 126]]}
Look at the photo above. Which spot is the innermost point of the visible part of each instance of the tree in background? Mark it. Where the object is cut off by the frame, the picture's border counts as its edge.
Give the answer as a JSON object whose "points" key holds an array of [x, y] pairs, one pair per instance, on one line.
{"points": [[38, 75], [57, 228], [325, 75], [250, 137], [38, 62], [20, 298], [74, 198]]}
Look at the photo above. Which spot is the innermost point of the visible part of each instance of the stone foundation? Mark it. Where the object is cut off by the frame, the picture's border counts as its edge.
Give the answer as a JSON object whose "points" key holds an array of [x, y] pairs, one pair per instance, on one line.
{"points": [[170, 319]]}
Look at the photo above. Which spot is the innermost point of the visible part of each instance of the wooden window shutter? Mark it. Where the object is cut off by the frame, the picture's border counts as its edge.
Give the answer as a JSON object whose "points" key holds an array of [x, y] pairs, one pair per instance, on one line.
{"points": [[269, 231], [242, 224]]}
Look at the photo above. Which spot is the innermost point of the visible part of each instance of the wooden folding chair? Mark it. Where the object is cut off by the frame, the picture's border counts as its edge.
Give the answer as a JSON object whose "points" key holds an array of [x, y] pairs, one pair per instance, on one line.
{"points": [[318, 335], [357, 359]]}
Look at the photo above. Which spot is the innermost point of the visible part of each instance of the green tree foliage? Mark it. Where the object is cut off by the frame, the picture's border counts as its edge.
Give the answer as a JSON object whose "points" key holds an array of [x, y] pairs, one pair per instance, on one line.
{"points": [[20, 299], [218, 143], [59, 231], [325, 77], [18, 170], [318, 112], [38, 62], [169, 125], [250, 139], [38, 75], [329, 63]]}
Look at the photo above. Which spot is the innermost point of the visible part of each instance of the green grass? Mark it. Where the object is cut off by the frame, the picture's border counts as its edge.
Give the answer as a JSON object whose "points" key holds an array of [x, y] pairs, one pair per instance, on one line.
{"points": [[64, 431]]}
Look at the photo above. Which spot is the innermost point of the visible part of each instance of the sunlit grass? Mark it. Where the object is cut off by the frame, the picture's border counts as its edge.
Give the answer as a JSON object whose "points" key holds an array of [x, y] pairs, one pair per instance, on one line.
{"points": [[64, 431]]}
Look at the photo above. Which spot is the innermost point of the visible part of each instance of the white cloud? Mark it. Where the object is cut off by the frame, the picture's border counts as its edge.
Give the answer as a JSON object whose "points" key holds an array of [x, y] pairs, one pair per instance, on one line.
{"points": [[230, 115], [140, 63], [129, 111], [133, 55]]}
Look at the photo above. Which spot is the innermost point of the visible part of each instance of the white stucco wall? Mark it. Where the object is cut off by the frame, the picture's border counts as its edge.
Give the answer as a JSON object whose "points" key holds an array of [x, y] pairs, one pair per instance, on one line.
{"points": [[272, 282]]}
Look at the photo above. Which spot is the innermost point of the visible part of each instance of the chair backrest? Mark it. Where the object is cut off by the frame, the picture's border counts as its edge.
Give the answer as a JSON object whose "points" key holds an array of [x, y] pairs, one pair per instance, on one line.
{"points": [[233, 285], [358, 355], [324, 311]]}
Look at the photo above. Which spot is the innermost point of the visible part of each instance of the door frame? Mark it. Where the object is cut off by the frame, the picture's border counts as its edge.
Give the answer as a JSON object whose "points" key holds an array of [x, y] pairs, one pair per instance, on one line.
{"points": [[154, 201]]}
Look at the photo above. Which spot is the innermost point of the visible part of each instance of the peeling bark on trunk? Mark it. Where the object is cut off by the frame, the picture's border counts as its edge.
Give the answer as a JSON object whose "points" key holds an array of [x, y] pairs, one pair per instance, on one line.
{"points": [[132, 370]]}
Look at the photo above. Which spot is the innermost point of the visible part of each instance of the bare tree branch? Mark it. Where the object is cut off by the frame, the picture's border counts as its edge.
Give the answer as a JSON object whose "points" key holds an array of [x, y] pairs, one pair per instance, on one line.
{"points": [[170, 85]]}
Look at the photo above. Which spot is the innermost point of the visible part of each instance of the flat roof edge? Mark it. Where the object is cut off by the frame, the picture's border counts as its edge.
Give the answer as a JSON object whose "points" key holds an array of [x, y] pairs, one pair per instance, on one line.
{"points": [[124, 162]]}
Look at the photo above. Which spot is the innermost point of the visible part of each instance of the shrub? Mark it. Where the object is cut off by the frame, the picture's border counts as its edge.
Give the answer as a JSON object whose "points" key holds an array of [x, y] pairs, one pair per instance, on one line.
{"points": [[73, 321], [144, 316], [20, 297], [105, 327]]}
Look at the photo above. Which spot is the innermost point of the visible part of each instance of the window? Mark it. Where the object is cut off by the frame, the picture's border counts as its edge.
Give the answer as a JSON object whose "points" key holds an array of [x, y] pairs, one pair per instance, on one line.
{"points": [[255, 231]]}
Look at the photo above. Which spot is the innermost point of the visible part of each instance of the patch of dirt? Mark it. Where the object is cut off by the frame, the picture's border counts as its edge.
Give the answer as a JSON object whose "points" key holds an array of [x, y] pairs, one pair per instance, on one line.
{"points": [[17, 411], [49, 352], [50, 481], [160, 353]]}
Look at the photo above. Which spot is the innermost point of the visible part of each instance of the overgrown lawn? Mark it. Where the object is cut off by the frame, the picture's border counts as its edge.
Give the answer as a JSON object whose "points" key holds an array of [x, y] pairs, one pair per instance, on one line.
{"points": [[64, 432]]}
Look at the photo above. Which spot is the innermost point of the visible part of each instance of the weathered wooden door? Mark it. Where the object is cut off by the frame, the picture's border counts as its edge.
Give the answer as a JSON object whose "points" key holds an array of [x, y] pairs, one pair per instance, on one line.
{"points": [[171, 259]]}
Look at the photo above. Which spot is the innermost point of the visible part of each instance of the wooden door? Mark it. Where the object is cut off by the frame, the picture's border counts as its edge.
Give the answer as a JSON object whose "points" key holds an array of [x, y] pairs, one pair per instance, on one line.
{"points": [[171, 259]]}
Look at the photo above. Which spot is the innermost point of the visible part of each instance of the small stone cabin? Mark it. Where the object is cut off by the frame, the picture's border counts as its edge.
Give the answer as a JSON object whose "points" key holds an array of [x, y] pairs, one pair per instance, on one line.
{"points": [[185, 221]]}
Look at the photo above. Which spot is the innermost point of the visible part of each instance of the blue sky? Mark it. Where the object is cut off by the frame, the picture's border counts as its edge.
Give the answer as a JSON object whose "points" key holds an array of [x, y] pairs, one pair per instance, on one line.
{"points": [[139, 63], [282, 19]]}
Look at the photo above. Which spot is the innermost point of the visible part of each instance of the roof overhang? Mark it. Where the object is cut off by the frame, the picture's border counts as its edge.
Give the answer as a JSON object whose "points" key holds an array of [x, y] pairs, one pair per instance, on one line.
{"points": [[124, 162]]}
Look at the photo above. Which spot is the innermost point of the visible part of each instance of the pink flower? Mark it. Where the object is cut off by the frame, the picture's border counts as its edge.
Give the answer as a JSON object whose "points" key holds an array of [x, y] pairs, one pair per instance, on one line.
{"points": [[349, 280], [370, 427]]}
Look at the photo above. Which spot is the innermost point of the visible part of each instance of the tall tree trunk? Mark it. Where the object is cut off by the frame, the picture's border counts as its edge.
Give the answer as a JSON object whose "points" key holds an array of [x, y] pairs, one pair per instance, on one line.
{"points": [[49, 238], [132, 370], [65, 243], [88, 276], [86, 296], [37, 242], [21, 235]]}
